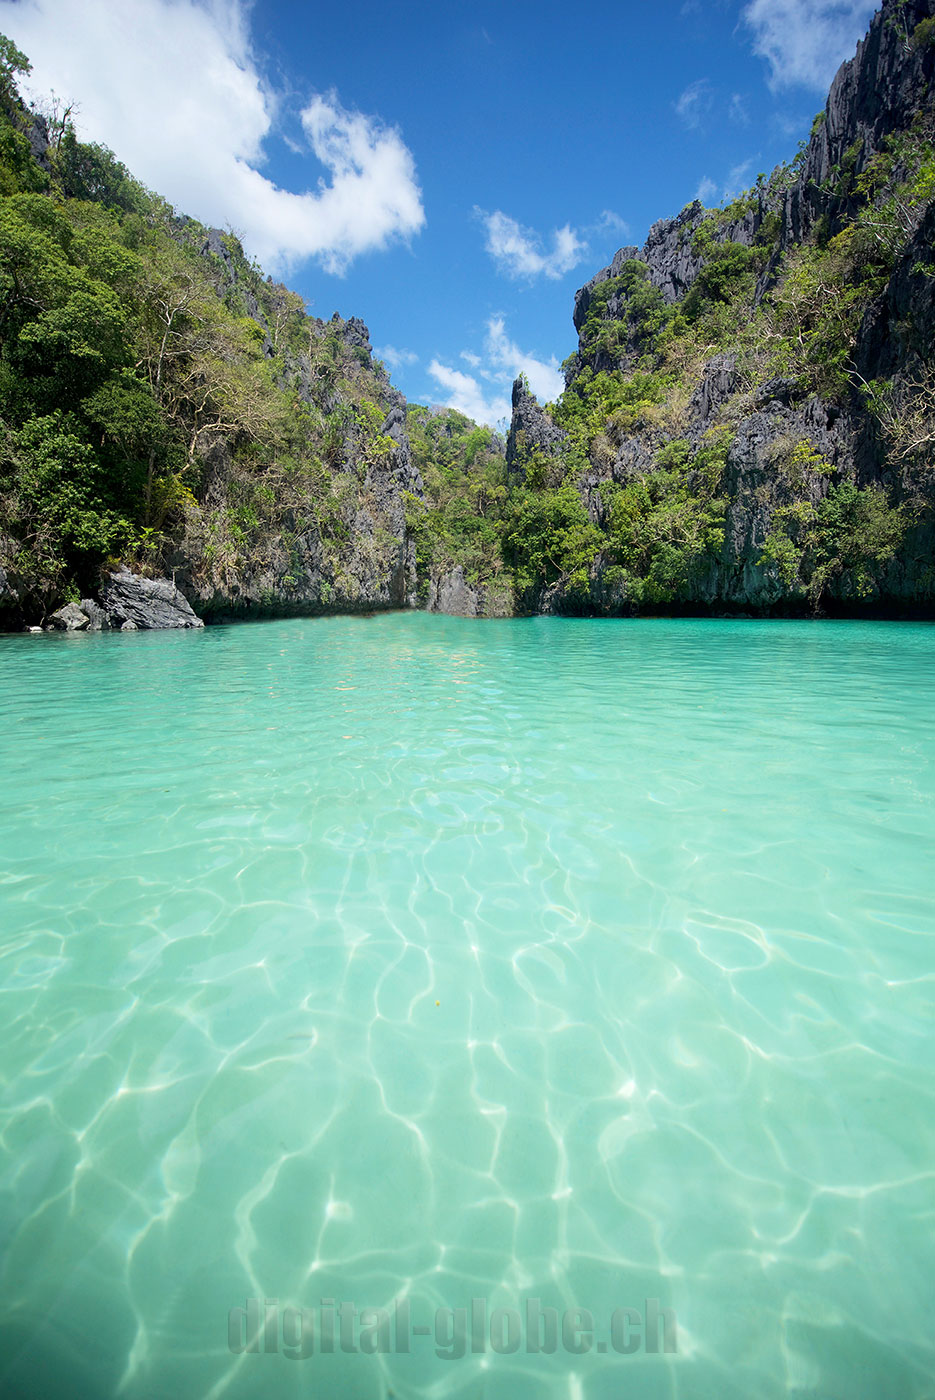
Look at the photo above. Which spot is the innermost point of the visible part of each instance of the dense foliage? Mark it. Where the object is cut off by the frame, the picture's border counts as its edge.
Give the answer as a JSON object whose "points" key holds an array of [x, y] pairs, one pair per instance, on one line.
{"points": [[783, 312], [458, 521], [152, 382]]}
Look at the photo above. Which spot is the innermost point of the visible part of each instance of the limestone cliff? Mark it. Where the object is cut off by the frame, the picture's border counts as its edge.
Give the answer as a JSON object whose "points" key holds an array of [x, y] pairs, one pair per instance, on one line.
{"points": [[749, 418], [347, 552]]}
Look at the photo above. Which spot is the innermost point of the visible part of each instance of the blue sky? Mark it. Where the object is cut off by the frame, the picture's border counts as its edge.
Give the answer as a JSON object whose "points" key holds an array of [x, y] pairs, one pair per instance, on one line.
{"points": [[449, 171]]}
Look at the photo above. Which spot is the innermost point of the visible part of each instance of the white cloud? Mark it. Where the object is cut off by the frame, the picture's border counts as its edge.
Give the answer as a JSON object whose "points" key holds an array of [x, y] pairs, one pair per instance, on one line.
{"points": [[396, 359], [611, 222], [737, 111], [694, 104], [173, 88], [468, 396], [544, 377], [503, 360], [706, 191], [736, 181], [805, 41], [519, 251]]}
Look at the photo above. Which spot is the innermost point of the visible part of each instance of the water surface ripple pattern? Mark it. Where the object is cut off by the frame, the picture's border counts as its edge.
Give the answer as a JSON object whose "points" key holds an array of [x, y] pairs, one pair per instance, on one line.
{"points": [[410, 956]]}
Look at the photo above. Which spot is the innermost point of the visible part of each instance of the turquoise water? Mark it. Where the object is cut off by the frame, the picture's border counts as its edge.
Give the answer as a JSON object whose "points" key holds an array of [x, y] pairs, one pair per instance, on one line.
{"points": [[414, 960]]}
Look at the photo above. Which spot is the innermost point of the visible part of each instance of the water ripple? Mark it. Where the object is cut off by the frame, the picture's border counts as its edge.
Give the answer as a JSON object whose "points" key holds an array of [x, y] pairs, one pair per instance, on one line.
{"points": [[412, 957]]}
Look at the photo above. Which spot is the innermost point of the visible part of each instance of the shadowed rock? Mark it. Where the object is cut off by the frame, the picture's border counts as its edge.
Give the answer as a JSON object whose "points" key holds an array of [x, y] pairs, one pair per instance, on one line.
{"points": [[531, 430], [97, 617], [70, 618]]}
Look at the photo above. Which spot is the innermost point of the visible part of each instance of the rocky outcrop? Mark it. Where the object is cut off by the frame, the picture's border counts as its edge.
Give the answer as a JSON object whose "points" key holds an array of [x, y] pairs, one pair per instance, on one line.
{"points": [[671, 260], [353, 556], [70, 618], [872, 96], [354, 332], [583, 294], [7, 592], [365, 560], [36, 130], [97, 617], [10, 595], [787, 447], [451, 592], [531, 429], [719, 381], [147, 603], [216, 245]]}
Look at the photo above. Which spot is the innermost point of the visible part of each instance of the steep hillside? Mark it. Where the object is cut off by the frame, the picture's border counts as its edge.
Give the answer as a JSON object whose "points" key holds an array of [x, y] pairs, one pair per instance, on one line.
{"points": [[163, 404], [749, 419]]}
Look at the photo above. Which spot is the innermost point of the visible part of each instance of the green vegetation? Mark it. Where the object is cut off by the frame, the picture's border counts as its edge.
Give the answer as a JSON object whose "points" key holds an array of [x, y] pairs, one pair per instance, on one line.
{"points": [[923, 36], [549, 539], [795, 313], [510, 531], [609, 402], [460, 521], [641, 312], [667, 527], [850, 532], [160, 398], [726, 275], [154, 385]]}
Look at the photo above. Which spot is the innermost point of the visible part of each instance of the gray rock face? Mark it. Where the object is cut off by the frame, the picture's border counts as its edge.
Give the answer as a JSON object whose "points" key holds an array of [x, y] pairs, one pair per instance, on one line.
{"points": [[406, 475], [97, 617], [9, 591], [452, 593], [887, 86], [717, 384], [531, 429], [303, 571], [583, 295], [668, 254], [147, 603], [363, 559], [777, 390], [37, 133], [873, 94], [215, 246], [355, 333], [70, 618]]}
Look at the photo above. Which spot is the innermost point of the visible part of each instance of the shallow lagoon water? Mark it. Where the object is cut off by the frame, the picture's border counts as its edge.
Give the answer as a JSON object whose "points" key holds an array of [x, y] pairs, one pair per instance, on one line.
{"points": [[426, 959]]}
